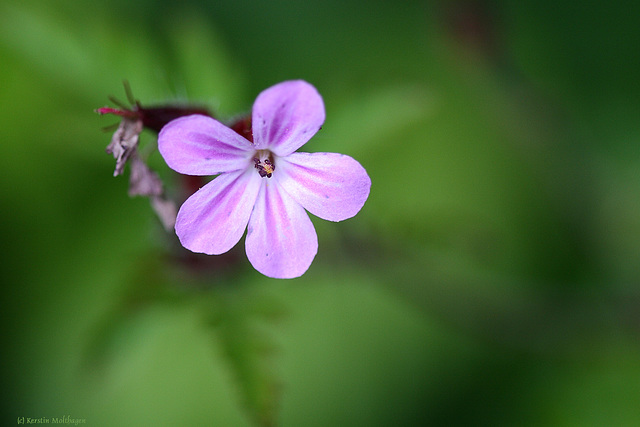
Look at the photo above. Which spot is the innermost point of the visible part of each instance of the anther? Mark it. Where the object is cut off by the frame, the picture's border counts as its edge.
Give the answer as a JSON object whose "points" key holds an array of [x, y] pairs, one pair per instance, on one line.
{"points": [[265, 167]]}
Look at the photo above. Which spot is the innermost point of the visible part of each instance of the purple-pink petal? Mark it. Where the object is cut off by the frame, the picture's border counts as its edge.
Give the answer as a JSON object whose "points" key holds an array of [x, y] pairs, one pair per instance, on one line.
{"points": [[281, 241], [329, 185], [213, 219], [286, 116], [200, 145]]}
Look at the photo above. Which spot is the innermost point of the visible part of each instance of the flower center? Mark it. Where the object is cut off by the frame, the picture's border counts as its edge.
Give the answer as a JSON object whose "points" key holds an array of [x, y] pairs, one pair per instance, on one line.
{"points": [[263, 161]]}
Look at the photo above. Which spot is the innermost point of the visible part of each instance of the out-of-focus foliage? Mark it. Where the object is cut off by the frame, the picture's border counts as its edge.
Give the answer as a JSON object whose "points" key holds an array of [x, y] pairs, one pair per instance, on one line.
{"points": [[492, 278]]}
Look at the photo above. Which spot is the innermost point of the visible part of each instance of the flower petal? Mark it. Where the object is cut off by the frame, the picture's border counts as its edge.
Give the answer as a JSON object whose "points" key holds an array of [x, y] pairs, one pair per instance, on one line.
{"points": [[281, 241], [286, 116], [329, 185], [200, 145], [213, 219]]}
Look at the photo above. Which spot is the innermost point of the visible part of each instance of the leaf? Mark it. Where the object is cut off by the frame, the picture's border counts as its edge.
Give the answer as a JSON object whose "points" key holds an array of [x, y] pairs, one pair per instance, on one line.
{"points": [[204, 69], [238, 319], [116, 329]]}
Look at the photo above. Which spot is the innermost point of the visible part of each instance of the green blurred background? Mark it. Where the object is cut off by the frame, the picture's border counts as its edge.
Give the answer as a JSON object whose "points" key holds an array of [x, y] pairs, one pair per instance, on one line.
{"points": [[492, 278]]}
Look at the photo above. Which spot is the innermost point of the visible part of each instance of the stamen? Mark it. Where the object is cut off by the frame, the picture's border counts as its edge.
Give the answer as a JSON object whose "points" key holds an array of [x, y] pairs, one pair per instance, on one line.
{"points": [[265, 166]]}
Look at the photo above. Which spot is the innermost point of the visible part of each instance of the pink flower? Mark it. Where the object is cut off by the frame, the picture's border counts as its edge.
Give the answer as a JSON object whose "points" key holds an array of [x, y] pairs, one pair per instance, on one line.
{"points": [[263, 183]]}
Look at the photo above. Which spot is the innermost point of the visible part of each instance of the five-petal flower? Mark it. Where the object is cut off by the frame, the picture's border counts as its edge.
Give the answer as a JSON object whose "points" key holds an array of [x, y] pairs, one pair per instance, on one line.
{"points": [[263, 186]]}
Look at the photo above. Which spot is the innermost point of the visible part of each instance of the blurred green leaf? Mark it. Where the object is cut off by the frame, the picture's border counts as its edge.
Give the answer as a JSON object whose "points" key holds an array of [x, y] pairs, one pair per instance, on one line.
{"points": [[238, 318], [204, 70], [374, 120]]}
